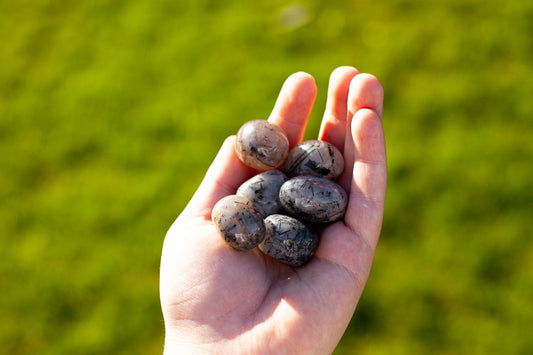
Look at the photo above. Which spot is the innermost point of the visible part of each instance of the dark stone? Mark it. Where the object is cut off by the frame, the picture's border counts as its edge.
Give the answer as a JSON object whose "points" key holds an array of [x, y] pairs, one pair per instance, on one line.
{"points": [[313, 199], [238, 222], [314, 158], [288, 240], [263, 191]]}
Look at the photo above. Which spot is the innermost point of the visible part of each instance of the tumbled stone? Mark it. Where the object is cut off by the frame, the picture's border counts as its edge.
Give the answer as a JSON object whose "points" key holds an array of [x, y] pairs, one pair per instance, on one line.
{"points": [[238, 222], [263, 191], [313, 199], [288, 240], [316, 158], [262, 145]]}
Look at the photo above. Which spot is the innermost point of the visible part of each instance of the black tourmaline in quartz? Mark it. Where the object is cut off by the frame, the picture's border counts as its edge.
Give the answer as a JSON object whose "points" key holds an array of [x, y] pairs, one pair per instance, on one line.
{"points": [[288, 240]]}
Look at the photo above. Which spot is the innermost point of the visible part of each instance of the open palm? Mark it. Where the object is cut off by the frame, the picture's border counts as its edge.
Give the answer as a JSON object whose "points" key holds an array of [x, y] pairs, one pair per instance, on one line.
{"points": [[219, 300]]}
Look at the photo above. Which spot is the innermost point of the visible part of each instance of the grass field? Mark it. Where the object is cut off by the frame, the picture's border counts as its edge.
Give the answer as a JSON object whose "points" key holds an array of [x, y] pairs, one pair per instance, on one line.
{"points": [[111, 111]]}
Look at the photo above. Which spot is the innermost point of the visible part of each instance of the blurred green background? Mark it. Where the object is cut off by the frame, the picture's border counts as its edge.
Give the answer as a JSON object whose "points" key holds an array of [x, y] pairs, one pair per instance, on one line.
{"points": [[111, 111]]}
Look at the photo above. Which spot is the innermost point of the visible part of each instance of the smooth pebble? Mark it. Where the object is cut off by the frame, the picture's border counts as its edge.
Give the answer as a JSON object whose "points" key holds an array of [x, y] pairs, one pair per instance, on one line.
{"points": [[262, 145], [263, 191], [313, 199], [316, 158], [288, 240], [238, 222]]}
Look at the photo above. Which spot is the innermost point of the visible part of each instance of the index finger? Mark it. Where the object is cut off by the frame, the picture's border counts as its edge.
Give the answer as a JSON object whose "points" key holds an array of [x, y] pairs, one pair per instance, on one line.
{"points": [[294, 105]]}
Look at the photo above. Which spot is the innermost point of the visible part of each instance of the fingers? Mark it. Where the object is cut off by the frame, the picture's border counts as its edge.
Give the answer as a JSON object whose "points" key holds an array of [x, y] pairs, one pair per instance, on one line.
{"points": [[294, 105], [365, 173], [365, 92], [333, 127], [364, 213]]}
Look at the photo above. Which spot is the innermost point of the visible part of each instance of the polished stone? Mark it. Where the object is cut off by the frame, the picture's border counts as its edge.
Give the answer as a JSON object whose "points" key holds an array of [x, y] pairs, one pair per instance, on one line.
{"points": [[263, 191], [238, 222], [313, 199], [288, 240], [262, 145], [315, 158]]}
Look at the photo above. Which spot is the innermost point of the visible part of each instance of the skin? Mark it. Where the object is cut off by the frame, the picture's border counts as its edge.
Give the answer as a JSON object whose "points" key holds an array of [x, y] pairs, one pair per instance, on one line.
{"points": [[217, 300]]}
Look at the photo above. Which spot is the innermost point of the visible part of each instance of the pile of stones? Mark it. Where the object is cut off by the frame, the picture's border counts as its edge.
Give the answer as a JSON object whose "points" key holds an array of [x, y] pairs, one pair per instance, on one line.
{"points": [[279, 209]]}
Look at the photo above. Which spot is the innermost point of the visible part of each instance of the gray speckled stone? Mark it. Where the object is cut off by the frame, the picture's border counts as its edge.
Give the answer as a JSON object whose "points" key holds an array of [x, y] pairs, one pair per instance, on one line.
{"points": [[263, 191], [262, 145], [238, 222], [313, 199], [288, 240], [315, 158]]}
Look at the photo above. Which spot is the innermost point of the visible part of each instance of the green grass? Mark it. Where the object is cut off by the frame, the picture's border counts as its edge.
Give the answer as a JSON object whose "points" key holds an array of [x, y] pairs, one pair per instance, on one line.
{"points": [[110, 113]]}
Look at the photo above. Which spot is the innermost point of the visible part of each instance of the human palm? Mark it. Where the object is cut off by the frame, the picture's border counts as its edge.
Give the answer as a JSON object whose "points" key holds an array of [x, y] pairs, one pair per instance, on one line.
{"points": [[216, 299]]}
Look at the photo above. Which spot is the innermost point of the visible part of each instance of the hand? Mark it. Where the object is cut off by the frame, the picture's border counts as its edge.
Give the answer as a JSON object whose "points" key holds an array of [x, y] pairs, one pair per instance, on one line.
{"points": [[219, 300]]}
